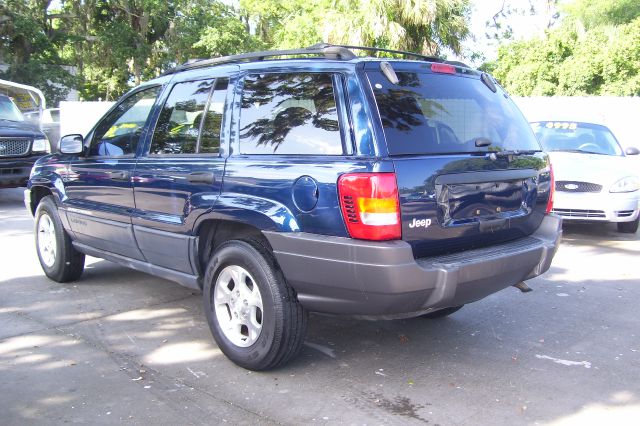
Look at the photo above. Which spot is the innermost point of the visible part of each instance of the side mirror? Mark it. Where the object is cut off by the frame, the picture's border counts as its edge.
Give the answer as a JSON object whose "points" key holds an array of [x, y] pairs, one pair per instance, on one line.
{"points": [[632, 150], [71, 144]]}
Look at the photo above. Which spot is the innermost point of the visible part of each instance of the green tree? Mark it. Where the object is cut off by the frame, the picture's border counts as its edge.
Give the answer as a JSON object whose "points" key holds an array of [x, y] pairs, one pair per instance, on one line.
{"points": [[426, 26], [595, 13], [30, 45], [574, 61]]}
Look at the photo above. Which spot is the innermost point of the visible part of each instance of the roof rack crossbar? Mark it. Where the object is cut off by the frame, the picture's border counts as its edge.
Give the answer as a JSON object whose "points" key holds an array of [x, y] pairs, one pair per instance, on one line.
{"points": [[395, 52]]}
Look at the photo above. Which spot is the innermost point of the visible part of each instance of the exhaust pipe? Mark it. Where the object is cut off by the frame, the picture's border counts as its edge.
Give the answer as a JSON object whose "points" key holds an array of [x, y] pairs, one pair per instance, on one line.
{"points": [[523, 287]]}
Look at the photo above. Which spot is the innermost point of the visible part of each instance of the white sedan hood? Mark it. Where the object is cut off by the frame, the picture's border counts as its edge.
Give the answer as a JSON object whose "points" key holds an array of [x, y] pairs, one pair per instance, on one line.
{"points": [[604, 170]]}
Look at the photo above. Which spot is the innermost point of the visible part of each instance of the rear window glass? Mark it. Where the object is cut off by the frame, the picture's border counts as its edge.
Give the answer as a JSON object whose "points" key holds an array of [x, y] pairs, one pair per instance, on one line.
{"points": [[292, 113], [576, 137], [427, 113]]}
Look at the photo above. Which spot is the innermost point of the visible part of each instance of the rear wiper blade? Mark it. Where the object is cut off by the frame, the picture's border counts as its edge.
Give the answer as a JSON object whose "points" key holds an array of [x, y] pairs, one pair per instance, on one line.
{"points": [[515, 152]]}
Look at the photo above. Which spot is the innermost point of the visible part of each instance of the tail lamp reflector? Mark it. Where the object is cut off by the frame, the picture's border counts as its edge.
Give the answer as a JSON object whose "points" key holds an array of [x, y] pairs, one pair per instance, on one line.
{"points": [[552, 190], [370, 206]]}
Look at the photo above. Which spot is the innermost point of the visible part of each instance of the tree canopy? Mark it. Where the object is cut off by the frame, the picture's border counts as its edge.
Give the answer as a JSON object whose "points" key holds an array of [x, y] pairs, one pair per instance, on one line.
{"points": [[108, 46], [595, 50]]}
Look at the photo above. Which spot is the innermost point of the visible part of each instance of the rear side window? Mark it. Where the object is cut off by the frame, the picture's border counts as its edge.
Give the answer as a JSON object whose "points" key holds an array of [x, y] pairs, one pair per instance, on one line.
{"points": [[293, 113], [178, 126], [429, 113]]}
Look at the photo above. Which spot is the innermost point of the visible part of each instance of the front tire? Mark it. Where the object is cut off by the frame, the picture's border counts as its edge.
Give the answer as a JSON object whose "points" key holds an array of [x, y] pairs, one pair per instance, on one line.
{"points": [[253, 314], [629, 227], [60, 261]]}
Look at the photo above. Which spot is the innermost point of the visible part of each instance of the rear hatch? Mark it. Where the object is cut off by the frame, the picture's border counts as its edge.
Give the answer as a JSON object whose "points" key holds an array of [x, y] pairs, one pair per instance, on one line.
{"points": [[469, 169]]}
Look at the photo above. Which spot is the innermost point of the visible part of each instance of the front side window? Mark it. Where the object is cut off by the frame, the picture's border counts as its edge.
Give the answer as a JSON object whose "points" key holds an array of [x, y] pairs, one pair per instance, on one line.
{"points": [[293, 113], [119, 132], [178, 127]]}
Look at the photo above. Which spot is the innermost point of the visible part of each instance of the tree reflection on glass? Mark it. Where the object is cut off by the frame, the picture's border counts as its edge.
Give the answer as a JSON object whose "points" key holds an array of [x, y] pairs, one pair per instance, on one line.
{"points": [[289, 114]]}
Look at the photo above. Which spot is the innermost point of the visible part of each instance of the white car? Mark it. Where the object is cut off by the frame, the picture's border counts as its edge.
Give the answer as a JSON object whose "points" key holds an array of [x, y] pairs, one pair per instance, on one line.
{"points": [[595, 181]]}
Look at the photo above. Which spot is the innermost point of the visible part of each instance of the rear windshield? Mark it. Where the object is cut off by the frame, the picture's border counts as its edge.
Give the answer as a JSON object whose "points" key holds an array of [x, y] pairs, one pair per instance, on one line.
{"points": [[583, 138], [429, 113]]}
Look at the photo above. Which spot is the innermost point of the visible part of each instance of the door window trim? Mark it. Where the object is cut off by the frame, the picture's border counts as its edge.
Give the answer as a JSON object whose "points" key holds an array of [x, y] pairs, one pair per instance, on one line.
{"points": [[145, 127], [338, 79], [170, 87]]}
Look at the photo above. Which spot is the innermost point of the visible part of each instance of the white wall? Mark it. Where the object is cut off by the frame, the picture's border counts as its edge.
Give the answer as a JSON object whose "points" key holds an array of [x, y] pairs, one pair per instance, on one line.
{"points": [[621, 115], [79, 117]]}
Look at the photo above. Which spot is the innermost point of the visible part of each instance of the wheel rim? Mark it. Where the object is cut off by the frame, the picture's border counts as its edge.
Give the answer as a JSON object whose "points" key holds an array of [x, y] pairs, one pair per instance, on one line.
{"points": [[238, 306], [47, 246]]}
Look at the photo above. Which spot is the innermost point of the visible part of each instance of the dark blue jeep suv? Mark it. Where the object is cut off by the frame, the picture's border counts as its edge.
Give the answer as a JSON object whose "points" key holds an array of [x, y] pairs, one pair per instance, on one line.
{"points": [[285, 182]]}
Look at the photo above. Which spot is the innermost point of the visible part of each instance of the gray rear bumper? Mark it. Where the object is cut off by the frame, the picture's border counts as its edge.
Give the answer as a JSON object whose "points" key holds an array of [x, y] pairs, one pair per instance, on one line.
{"points": [[347, 276]]}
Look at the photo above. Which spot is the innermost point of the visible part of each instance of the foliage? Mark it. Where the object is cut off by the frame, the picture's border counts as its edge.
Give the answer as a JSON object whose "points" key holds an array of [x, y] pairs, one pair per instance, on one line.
{"points": [[595, 51], [31, 48], [112, 45], [595, 13], [425, 26]]}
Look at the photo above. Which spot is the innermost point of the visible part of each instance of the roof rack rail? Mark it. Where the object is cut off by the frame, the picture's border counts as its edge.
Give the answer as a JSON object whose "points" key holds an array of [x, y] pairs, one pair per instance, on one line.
{"points": [[395, 52], [329, 51]]}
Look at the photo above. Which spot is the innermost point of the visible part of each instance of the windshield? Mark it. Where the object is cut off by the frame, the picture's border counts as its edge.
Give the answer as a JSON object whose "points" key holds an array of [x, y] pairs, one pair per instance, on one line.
{"points": [[428, 113], [9, 110], [576, 137]]}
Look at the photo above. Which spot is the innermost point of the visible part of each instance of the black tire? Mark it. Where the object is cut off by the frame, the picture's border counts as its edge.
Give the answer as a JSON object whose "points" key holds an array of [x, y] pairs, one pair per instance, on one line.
{"points": [[283, 319], [442, 312], [628, 227], [68, 263]]}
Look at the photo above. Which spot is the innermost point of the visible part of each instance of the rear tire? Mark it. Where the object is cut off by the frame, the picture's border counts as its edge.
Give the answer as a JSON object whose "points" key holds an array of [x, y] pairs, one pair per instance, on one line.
{"points": [[60, 261], [629, 227], [442, 312], [253, 314]]}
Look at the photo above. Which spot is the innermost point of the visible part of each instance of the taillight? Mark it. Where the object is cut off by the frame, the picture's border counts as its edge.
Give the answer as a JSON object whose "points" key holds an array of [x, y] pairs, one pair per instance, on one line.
{"points": [[443, 68], [552, 190], [370, 206]]}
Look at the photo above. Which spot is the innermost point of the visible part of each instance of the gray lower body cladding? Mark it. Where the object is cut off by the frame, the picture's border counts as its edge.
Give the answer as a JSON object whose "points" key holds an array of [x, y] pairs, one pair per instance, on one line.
{"points": [[347, 276]]}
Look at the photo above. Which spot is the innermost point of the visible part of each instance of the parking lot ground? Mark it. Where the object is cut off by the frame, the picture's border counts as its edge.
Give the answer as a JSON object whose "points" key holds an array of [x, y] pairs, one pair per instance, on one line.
{"points": [[120, 346]]}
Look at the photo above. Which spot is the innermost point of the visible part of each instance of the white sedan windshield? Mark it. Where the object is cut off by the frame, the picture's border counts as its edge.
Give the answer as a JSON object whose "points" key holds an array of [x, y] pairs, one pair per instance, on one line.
{"points": [[576, 137]]}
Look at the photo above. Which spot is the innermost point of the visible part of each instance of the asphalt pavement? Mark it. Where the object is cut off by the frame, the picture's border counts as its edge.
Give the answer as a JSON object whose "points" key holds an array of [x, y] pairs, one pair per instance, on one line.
{"points": [[120, 346]]}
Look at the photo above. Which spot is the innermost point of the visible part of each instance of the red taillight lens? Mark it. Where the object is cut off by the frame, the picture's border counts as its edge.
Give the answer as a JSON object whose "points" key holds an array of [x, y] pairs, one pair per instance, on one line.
{"points": [[552, 190], [443, 68], [370, 206]]}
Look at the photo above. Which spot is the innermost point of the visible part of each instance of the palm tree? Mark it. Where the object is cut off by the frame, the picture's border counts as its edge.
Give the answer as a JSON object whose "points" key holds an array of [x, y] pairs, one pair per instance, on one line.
{"points": [[423, 26]]}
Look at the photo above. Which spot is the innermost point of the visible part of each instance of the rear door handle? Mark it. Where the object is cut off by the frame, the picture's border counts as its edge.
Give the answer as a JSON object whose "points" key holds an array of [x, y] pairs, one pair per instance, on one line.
{"points": [[119, 175], [201, 177]]}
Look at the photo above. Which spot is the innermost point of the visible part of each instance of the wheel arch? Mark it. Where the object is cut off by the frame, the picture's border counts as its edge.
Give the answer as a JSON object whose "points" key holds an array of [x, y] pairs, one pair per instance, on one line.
{"points": [[36, 194], [42, 184], [213, 232]]}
